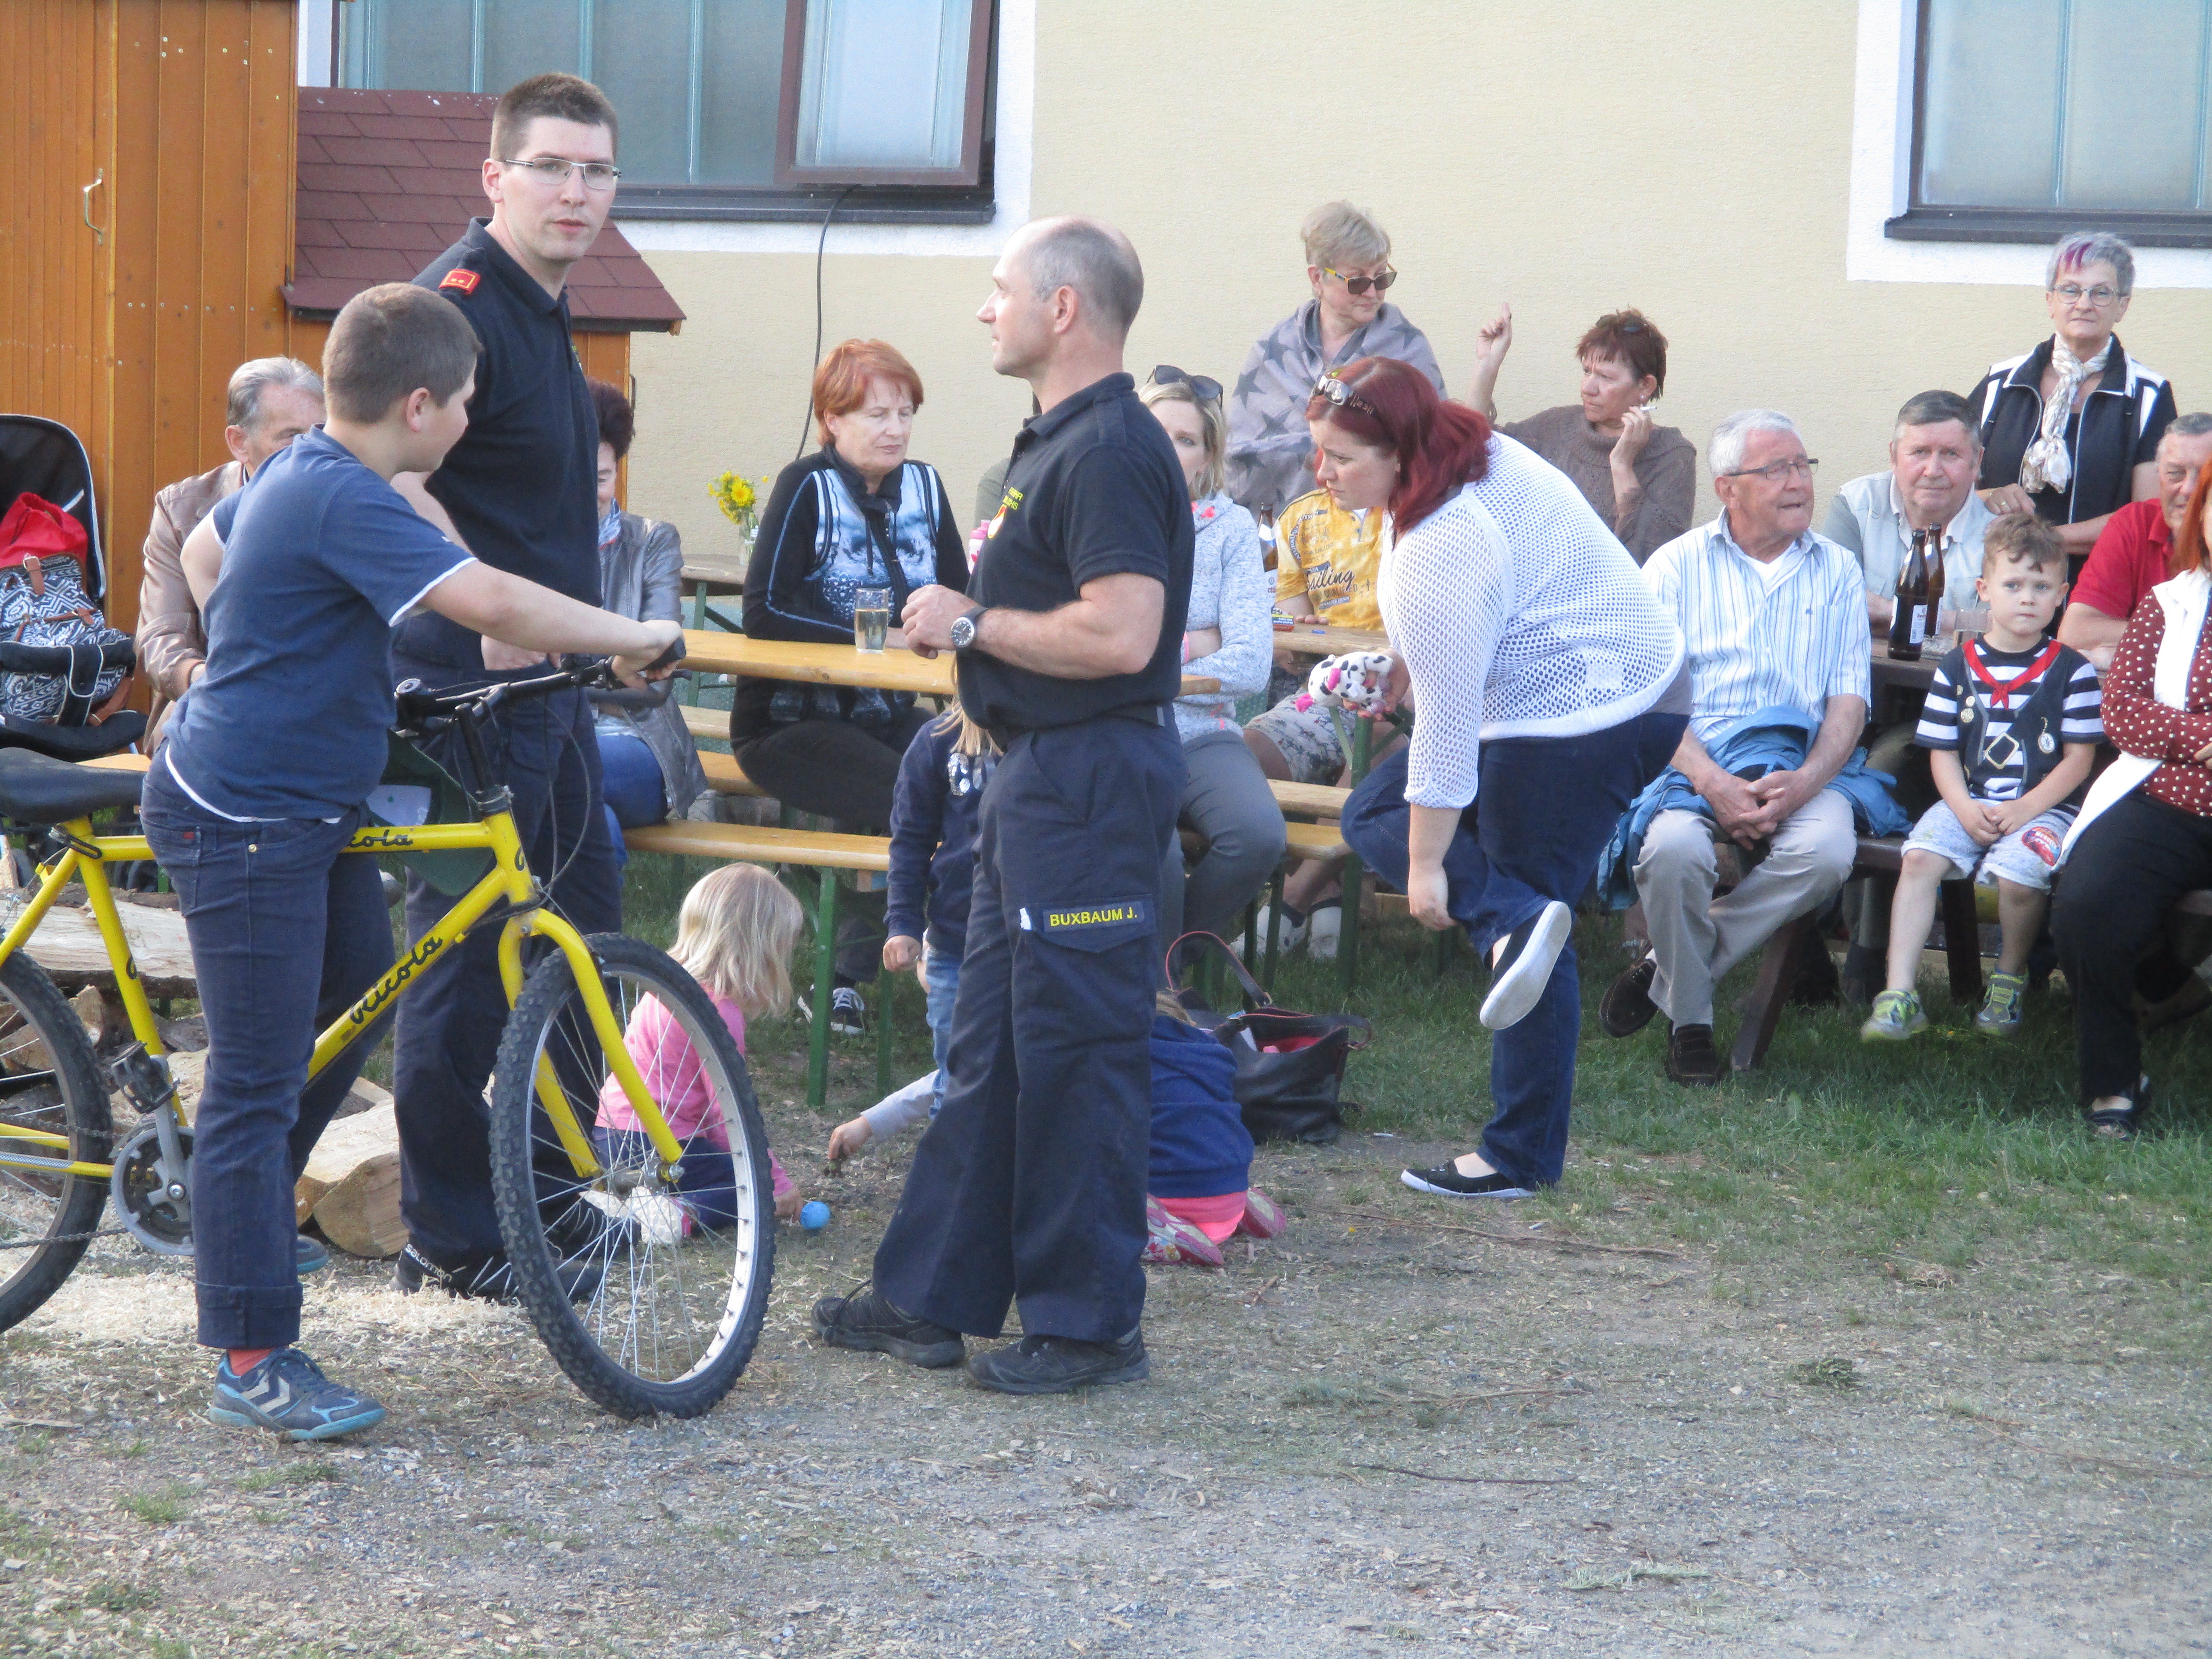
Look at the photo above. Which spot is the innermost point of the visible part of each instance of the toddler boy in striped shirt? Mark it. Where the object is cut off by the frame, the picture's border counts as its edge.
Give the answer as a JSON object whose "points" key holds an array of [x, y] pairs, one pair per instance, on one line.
{"points": [[2011, 725]]}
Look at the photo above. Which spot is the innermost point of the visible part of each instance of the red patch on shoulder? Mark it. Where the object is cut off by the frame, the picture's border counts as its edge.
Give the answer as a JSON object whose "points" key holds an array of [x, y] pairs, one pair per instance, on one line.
{"points": [[465, 281]]}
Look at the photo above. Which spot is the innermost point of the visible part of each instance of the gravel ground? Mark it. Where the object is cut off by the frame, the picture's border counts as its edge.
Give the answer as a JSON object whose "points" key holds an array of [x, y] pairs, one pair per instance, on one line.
{"points": [[1797, 1455]]}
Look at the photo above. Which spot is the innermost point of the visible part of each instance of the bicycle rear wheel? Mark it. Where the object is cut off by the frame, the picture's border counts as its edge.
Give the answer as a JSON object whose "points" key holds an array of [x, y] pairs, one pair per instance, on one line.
{"points": [[49, 1081], [676, 1276]]}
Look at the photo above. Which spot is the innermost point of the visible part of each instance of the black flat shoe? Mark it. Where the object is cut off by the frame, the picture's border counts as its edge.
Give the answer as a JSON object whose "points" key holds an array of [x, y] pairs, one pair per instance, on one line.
{"points": [[1060, 1364], [1690, 1057], [1446, 1181], [2121, 1123], [1523, 968], [1628, 1008]]}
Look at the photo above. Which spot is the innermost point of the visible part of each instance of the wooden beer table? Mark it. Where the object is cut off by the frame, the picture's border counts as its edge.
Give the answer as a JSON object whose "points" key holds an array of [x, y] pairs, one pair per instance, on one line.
{"points": [[894, 670], [1306, 637]]}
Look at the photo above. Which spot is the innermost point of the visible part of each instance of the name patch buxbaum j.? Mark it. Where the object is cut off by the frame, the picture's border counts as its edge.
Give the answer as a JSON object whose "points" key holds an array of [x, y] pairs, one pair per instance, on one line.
{"points": [[1061, 919]]}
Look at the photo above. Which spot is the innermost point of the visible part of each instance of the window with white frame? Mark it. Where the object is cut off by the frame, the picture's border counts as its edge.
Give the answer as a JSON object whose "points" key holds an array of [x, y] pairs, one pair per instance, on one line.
{"points": [[731, 108], [2034, 116]]}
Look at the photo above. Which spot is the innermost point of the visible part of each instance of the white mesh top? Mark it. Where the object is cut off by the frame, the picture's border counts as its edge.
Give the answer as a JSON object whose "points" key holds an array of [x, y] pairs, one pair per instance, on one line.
{"points": [[1518, 615]]}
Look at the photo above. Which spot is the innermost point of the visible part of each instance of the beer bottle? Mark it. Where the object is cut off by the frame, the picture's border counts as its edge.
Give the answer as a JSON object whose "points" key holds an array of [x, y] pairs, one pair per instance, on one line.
{"points": [[1935, 533], [1914, 617]]}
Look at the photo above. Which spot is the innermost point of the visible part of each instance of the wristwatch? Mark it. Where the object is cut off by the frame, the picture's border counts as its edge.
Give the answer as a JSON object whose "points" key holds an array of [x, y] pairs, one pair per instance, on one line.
{"points": [[963, 631]]}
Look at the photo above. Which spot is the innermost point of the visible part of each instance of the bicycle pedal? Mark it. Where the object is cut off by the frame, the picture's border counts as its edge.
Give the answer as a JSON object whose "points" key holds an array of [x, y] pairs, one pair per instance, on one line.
{"points": [[145, 1080]]}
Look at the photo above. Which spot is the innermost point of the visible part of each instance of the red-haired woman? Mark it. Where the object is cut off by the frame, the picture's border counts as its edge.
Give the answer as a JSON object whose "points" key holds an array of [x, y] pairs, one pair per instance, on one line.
{"points": [[2144, 836], [856, 512], [1547, 690]]}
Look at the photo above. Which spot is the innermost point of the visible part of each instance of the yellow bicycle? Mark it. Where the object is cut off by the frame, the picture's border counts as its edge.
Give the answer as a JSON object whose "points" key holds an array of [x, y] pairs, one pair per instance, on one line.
{"points": [[652, 1304]]}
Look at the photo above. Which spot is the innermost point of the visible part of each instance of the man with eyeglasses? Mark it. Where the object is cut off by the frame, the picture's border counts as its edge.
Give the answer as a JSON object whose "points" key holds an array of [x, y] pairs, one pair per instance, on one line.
{"points": [[1774, 627], [519, 490]]}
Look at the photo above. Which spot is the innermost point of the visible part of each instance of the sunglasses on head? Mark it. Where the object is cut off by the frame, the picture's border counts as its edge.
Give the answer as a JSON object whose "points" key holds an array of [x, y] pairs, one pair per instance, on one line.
{"points": [[1207, 388], [1339, 393], [1356, 285]]}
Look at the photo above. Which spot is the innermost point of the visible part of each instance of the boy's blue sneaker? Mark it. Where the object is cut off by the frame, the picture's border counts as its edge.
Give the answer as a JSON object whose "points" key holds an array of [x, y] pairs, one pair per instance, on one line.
{"points": [[308, 1254], [288, 1393], [2001, 1015], [1897, 1015]]}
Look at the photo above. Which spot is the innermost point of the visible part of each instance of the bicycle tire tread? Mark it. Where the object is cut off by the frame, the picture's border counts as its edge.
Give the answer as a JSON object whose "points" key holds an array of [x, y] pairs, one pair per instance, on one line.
{"points": [[49, 1013]]}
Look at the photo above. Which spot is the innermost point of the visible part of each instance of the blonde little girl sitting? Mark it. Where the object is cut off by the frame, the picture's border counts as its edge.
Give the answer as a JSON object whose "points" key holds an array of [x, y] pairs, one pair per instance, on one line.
{"points": [[734, 935]]}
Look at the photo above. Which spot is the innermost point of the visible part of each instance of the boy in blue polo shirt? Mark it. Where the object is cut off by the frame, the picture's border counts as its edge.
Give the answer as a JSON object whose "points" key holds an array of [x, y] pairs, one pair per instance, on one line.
{"points": [[260, 784]]}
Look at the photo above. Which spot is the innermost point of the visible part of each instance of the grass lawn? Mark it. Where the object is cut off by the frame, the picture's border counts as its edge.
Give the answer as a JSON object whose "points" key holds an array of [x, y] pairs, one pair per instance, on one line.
{"points": [[1919, 1160]]}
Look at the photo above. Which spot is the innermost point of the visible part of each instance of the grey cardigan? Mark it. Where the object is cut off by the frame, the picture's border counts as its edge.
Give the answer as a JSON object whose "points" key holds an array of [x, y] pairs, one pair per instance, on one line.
{"points": [[641, 577]]}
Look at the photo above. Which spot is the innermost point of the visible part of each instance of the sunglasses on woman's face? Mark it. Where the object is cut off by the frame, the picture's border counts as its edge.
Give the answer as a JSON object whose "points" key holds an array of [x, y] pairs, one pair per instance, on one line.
{"points": [[1207, 388], [1341, 394], [1359, 285]]}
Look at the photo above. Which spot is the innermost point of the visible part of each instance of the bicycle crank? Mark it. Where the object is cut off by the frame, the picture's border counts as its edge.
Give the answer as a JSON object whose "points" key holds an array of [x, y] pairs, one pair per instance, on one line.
{"points": [[152, 1190]]}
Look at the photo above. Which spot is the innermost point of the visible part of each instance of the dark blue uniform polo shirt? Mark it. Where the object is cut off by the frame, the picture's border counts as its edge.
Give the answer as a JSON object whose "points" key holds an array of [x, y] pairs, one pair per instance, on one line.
{"points": [[522, 485], [1094, 490]]}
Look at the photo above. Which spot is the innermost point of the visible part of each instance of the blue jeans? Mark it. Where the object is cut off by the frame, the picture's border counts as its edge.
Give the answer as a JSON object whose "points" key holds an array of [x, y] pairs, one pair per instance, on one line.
{"points": [[1545, 809], [631, 782], [285, 934], [944, 985]]}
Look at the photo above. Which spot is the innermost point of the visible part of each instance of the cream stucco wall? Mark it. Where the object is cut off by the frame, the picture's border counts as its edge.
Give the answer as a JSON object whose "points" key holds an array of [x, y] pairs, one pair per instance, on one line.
{"points": [[1692, 161]]}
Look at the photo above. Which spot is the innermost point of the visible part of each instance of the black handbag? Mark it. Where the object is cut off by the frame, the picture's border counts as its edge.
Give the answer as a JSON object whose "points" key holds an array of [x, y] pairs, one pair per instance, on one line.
{"points": [[1290, 1066]]}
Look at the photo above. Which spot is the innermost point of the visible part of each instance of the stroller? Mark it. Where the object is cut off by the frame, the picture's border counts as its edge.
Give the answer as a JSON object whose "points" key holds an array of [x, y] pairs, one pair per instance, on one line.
{"points": [[44, 457]]}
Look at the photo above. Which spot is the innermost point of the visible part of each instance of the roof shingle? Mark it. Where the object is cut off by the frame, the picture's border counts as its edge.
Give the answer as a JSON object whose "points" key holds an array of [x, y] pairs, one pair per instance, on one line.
{"points": [[389, 179]]}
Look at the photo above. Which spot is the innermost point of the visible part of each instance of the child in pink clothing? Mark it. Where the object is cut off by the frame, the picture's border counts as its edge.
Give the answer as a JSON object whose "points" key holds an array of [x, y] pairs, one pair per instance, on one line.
{"points": [[734, 935]]}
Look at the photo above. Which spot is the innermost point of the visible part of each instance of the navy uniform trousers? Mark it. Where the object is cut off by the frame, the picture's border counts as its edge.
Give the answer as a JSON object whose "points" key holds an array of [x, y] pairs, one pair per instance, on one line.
{"points": [[451, 1021], [1029, 1187]]}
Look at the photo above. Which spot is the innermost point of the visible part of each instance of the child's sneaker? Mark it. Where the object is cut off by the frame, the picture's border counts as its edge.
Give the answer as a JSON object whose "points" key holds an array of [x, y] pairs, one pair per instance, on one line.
{"points": [[287, 1392], [1169, 1239], [1263, 1218], [1896, 1016], [2001, 1015]]}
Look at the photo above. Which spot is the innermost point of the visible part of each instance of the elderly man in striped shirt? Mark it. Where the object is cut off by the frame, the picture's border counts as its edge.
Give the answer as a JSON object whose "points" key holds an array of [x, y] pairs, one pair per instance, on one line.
{"points": [[1774, 620]]}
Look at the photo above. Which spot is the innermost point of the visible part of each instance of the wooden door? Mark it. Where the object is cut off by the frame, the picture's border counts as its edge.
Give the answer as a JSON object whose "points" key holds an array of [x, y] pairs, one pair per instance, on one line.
{"points": [[127, 329]]}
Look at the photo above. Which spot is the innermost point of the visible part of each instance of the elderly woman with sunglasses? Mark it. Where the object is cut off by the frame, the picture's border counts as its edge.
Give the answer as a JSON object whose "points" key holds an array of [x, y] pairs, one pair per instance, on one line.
{"points": [[2070, 430], [1641, 478], [1348, 266], [1228, 636]]}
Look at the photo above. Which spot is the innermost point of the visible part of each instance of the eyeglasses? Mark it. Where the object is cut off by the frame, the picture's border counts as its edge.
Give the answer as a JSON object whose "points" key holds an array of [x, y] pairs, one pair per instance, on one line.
{"points": [[1777, 471], [1207, 388], [2074, 294], [556, 169], [1341, 394], [1356, 285]]}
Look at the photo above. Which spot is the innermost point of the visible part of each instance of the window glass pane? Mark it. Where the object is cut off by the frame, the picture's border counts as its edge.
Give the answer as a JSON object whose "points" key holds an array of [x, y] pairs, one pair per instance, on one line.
{"points": [[739, 92], [641, 58], [523, 38], [884, 83], [422, 45], [2130, 60], [1989, 132]]}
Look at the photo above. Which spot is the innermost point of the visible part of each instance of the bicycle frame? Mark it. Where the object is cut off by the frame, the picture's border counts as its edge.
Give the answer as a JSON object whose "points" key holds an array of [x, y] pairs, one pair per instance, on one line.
{"points": [[85, 856]]}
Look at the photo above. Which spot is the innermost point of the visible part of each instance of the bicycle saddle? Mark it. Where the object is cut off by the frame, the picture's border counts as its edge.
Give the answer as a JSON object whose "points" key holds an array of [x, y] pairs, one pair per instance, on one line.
{"points": [[72, 742], [38, 789]]}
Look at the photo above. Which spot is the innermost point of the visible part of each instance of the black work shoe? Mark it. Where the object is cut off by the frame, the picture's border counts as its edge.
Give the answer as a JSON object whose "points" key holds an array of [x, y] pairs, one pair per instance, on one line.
{"points": [[1628, 1008], [1060, 1364], [486, 1277], [1446, 1181], [1692, 1058], [869, 1323], [1523, 967]]}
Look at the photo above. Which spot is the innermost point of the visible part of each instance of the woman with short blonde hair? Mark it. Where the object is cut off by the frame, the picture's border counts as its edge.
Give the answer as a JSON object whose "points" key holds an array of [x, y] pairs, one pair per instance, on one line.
{"points": [[1348, 268], [1228, 636]]}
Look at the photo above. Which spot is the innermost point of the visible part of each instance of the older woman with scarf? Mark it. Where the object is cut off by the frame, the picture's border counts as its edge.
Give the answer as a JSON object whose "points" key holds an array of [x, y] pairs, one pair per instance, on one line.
{"points": [[1547, 689], [856, 512], [2144, 835], [2070, 430], [1348, 267]]}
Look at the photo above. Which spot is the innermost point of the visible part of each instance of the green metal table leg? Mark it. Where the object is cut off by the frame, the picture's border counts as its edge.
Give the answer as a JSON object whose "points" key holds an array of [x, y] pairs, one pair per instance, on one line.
{"points": [[1274, 929], [1252, 931], [886, 999], [1347, 949], [825, 972]]}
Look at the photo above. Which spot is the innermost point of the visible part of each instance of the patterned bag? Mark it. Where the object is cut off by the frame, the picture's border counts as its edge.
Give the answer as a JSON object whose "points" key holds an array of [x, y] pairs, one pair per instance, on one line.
{"points": [[43, 602]]}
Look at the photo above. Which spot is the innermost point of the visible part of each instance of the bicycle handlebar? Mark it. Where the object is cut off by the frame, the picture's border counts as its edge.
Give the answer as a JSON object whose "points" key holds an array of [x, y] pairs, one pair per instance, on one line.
{"points": [[422, 710]]}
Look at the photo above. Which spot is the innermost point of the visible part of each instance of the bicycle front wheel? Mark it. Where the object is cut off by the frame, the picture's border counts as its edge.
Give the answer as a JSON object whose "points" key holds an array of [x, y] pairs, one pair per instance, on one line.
{"points": [[649, 1289], [49, 1084]]}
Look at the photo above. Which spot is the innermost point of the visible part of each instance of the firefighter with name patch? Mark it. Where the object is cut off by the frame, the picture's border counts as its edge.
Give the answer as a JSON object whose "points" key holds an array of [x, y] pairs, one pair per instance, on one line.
{"points": [[1028, 1189]]}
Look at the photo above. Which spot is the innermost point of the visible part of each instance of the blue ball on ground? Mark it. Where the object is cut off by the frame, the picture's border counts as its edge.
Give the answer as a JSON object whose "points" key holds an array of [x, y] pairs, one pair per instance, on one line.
{"points": [[814, 1216]]}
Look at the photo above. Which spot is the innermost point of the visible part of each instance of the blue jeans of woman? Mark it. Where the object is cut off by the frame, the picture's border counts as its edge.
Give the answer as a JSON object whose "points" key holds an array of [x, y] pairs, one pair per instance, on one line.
{"points": [[944, 969], [285, 934], [1544, 810], [631, 786]]}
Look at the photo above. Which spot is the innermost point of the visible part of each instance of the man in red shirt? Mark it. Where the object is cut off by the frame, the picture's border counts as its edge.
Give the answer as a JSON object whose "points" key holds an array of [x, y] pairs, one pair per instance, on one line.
{"points": [[2130, 556]]}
